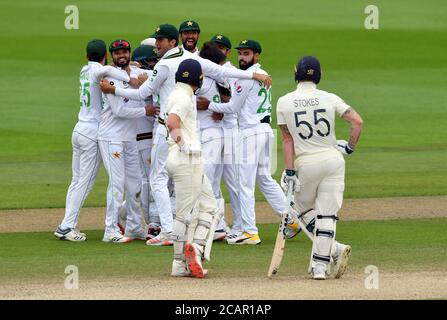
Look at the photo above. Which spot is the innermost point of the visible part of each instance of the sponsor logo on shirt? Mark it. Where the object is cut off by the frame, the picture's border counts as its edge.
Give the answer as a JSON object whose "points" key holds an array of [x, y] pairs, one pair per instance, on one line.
{"points": [[238, 88]]}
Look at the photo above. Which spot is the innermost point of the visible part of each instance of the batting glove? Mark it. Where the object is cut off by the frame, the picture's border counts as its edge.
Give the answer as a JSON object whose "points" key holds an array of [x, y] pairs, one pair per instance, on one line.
{"points": [[290, 176], [343, 147]]}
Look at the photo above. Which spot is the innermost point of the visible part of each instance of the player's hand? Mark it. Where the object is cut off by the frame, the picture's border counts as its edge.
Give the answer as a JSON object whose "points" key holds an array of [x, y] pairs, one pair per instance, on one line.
{"points": [[224, 88], [143, 77], [264, 78], [135, 63], [202, 103], [343, 147], [134, 82], [290, 176], [107, 86], [152, 111], [217, 116]]}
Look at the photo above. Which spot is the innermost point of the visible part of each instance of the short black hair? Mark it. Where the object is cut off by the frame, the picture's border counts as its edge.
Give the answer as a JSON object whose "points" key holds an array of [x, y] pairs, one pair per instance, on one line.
{"points": [[95, 57], [211, 51], [176, 41]]}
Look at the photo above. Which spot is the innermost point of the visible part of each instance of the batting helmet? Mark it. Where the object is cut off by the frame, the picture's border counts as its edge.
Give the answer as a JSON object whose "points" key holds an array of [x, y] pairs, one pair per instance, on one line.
{"points": [[308, 68], [189, 71]]}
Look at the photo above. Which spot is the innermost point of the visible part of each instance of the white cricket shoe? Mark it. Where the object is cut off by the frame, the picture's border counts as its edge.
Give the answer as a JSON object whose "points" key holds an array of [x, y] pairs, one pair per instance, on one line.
{"points": [[193, 254], [233, 234], [70, 234], [341, 259], [163, 239], [245, 238], [219, 235], [115, 237], [180, 269], [319, 271], [139, 235]]}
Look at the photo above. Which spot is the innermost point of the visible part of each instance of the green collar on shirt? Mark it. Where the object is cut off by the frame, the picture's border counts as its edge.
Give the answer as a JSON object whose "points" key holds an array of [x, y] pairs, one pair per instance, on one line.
{"points": [[175, 55]]}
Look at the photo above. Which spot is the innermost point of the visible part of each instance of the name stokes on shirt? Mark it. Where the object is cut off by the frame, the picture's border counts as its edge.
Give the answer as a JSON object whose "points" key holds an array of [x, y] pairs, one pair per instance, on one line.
{"points": [[313, 102]]}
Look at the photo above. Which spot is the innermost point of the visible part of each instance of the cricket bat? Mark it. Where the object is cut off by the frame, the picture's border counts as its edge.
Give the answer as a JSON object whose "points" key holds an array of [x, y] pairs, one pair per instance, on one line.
{"points": [[280, 243]]}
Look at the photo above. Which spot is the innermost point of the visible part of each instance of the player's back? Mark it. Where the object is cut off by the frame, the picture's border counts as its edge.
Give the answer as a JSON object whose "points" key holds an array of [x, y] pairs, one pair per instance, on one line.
{"points": [[209, 91], [171, 60], [309, 114]]}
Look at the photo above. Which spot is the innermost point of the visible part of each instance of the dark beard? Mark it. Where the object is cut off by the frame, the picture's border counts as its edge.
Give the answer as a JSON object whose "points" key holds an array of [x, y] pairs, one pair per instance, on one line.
{"points": [[248, 65], [121, 65], [185, 45]]}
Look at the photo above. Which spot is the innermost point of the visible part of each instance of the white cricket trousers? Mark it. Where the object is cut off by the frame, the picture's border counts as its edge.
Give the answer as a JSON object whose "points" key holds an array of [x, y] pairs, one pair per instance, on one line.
{"points": [[230, 176], [85, 166], [195, 201], [254, 165], [320, 198], [159, 179], [212, 153], [123, 168], [322, 181], [145, 161]]}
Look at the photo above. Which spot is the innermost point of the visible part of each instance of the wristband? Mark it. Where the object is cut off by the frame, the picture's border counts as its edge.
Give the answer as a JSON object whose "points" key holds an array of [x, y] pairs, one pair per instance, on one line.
{"points": [[290, 172]]}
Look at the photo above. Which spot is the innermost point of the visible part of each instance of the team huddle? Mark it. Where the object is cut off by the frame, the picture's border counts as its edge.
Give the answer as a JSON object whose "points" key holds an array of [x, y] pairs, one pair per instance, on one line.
{"points": [[170, 122]]}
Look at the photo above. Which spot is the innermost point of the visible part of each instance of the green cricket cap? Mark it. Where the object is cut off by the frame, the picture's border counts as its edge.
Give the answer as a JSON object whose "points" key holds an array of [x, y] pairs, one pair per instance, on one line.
{"points": [[189, 25], [165, 31], [250, 44], [221, 39], [96, 49]]}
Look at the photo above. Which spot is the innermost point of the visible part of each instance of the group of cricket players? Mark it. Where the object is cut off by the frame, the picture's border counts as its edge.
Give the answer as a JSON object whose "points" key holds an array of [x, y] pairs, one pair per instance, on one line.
{"points": [[170, 122]]}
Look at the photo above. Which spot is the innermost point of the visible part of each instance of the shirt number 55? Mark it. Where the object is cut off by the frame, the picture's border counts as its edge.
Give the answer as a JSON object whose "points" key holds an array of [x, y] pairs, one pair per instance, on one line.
{"points": [[310, 129]]}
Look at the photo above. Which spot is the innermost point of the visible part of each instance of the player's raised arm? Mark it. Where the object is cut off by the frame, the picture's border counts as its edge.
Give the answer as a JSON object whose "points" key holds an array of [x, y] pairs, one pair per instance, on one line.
{"points": [[220, 73], [233, 106], [112, 72], [121, 111], [148, 88]]}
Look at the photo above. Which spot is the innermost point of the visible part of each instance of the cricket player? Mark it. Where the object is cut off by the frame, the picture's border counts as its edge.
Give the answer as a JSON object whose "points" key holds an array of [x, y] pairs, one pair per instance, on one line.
{"points": [[162, 82], [211, 132], [230, 149], [147, 58], [251, 100], [306, 117], [189, 33], [118, 146], [86, 156], [197, 210]]}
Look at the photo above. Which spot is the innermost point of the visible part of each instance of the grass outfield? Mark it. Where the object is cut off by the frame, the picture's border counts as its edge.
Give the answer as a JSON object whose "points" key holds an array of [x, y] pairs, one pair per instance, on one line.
{"points": [[394, 77], [39, 256]]}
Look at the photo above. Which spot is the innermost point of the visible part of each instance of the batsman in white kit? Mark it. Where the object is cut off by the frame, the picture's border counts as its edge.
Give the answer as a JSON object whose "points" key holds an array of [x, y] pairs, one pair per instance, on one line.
{"points": [[197, 211], [306, 117], [117, 132], [86, 155]]}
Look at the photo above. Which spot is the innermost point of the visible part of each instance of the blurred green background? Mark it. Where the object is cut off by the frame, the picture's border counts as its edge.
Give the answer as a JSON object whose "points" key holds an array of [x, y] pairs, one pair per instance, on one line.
{"points": [[395, 77]]}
